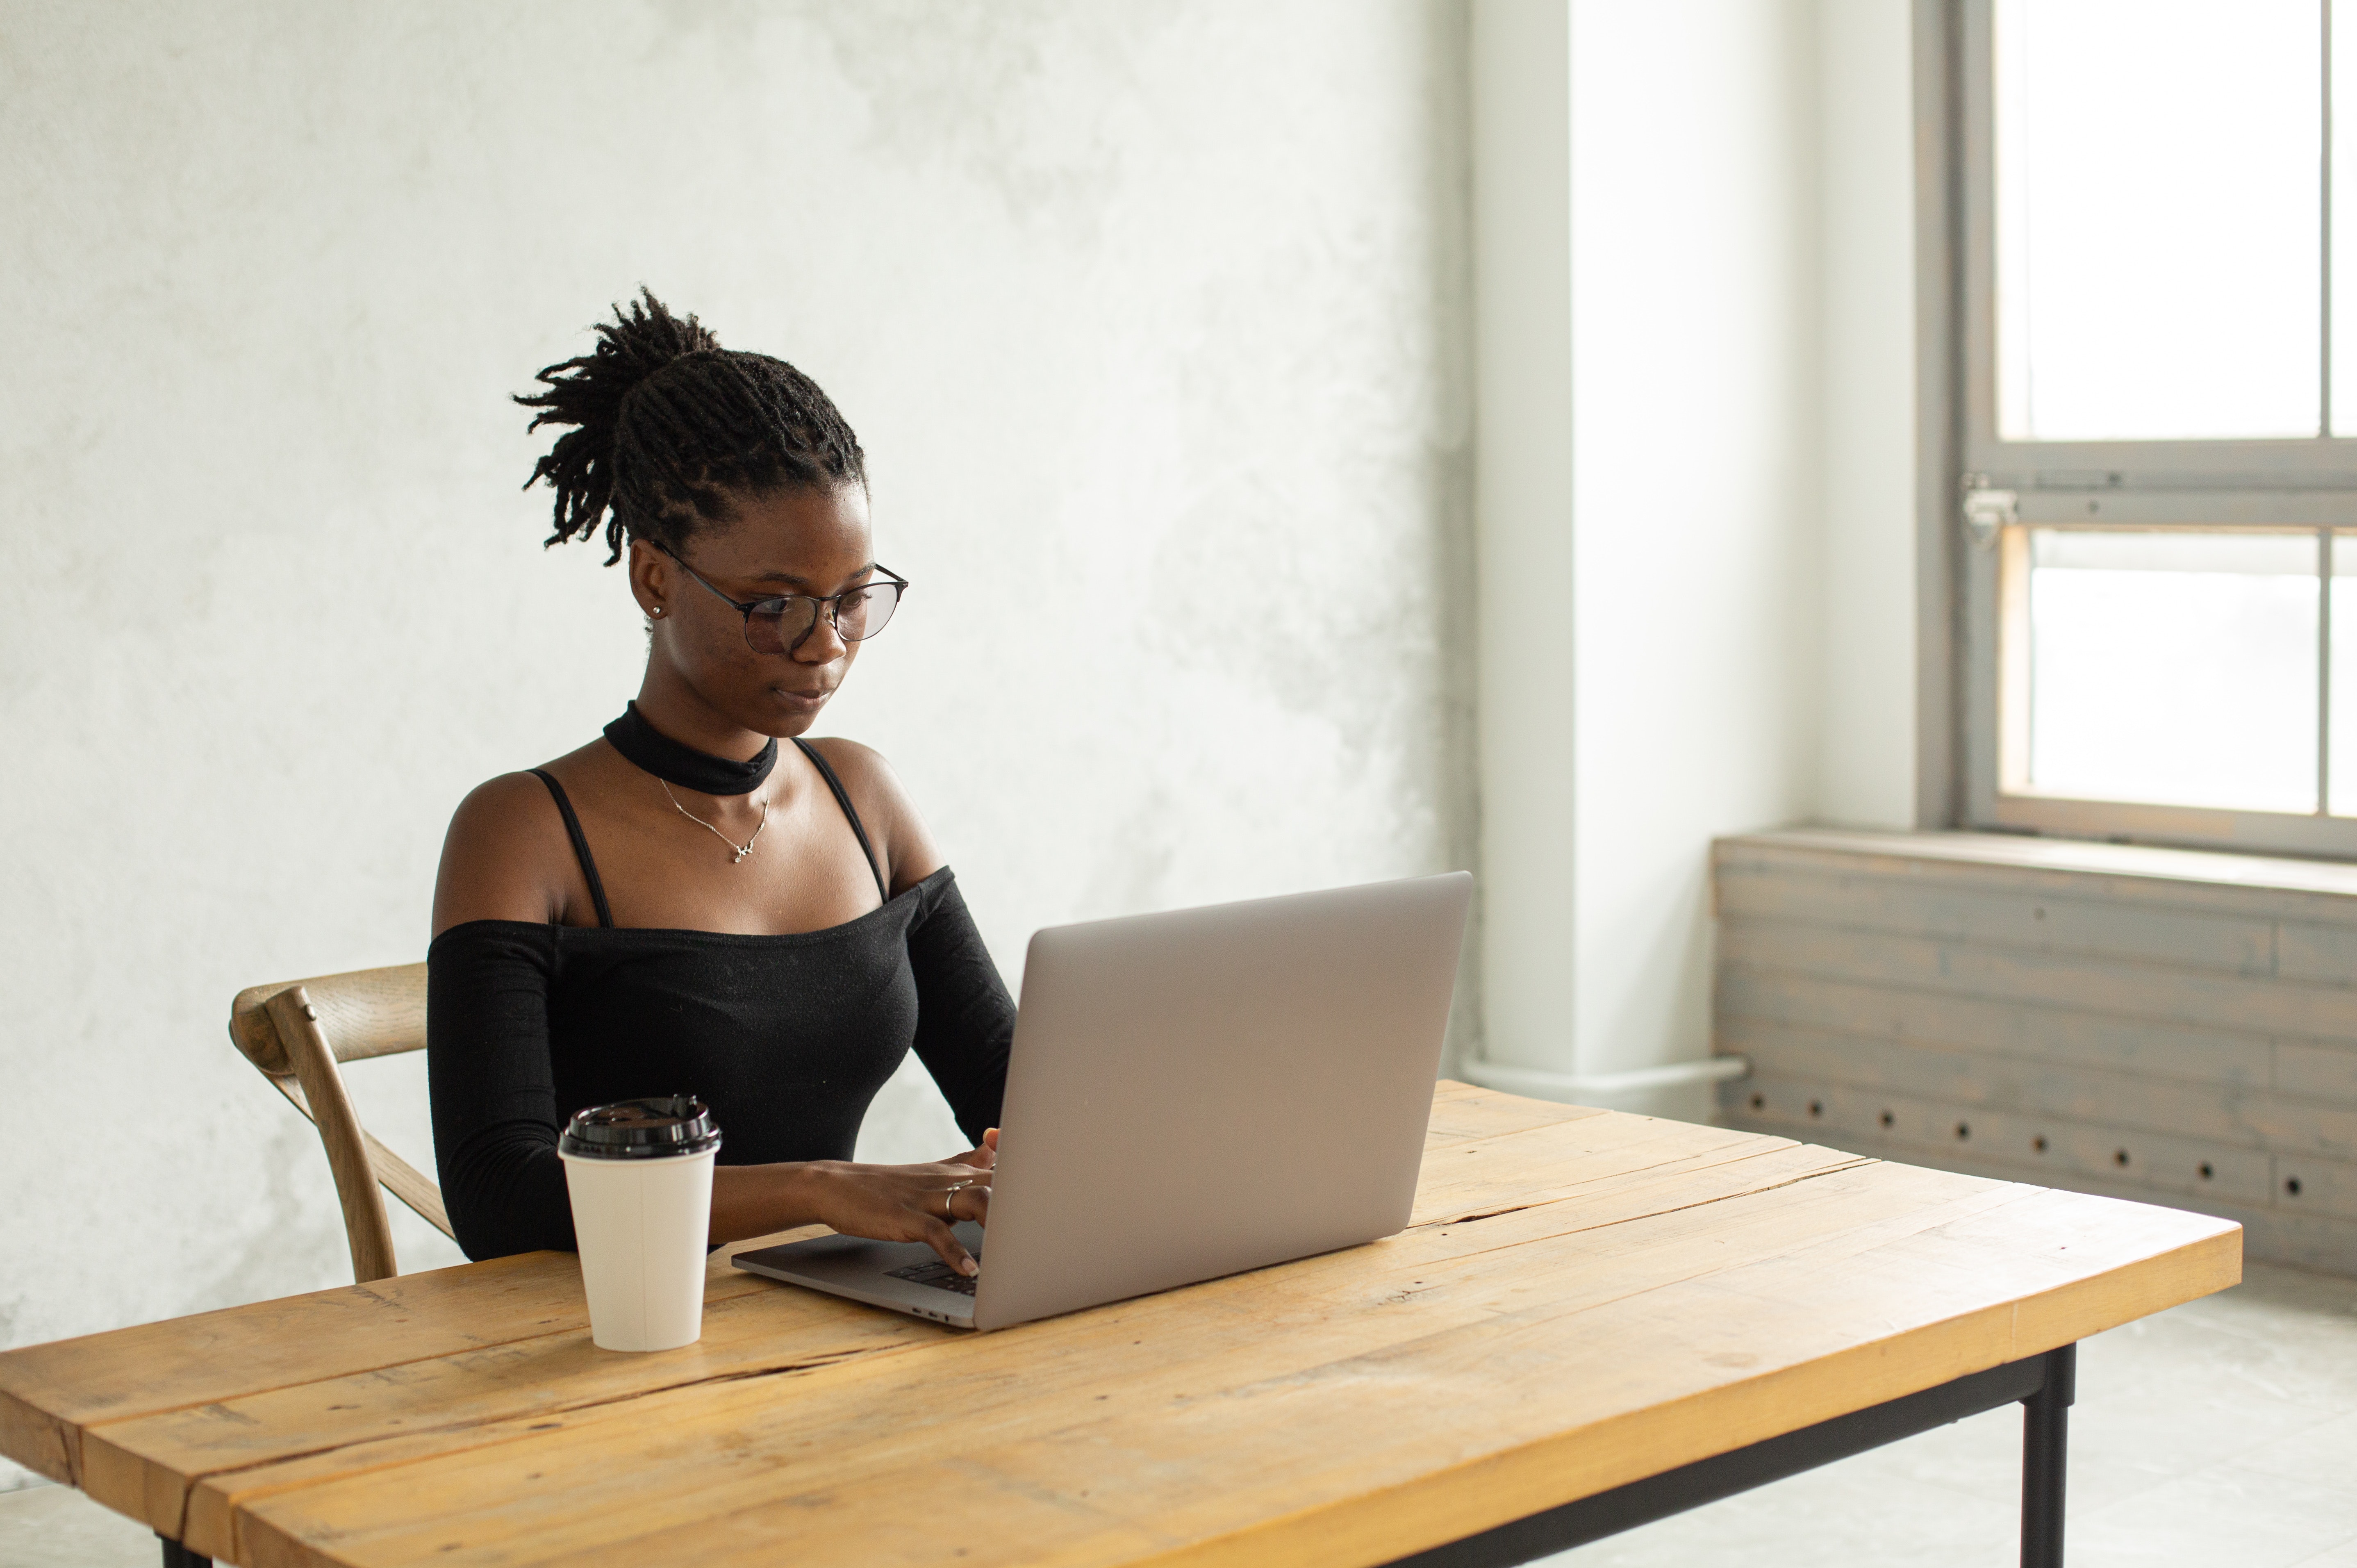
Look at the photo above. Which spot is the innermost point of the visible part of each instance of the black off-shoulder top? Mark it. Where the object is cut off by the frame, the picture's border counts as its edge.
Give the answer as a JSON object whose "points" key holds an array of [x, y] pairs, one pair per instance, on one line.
{"points": [[787, 1038]]}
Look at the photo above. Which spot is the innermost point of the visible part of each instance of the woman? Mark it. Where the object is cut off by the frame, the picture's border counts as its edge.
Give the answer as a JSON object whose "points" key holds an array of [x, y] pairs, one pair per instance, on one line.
{"points": [[683, 905]]}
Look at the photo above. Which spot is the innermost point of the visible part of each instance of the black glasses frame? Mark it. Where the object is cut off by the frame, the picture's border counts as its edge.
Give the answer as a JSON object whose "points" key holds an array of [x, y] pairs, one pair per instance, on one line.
{"points": [[830, 604]]}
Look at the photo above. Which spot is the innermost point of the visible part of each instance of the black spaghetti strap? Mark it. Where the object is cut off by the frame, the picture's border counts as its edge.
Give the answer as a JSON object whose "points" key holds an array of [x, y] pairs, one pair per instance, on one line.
{"points": [[844, 800], [580, 844]]}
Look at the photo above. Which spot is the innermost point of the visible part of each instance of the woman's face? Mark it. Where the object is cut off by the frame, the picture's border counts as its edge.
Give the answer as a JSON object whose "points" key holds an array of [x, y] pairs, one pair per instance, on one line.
{"points": [[813, 542]]}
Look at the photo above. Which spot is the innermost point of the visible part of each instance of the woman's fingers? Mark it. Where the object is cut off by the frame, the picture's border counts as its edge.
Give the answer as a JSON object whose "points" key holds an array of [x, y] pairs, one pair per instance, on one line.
{"points": [[909, 1203], [970, 1201], [943, 1240], [926, 1186]]}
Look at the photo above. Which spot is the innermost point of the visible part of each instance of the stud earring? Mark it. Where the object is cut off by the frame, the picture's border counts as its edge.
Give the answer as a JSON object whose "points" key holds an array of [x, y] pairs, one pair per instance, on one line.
{"points": [[656, 612]]}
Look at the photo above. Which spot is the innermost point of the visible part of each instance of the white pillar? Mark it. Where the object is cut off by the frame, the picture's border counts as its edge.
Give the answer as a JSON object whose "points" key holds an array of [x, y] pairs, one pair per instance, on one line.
{"points": [[1523, 488], [1647, 503]]}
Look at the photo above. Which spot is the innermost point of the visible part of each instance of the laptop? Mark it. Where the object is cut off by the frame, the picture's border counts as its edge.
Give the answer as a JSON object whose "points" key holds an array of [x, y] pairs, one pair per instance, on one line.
{"points": [[1191, 1094]]}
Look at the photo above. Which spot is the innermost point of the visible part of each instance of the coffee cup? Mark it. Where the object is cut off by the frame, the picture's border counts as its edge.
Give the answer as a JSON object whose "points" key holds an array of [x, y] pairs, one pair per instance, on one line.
{"points": [[640, 1175]]}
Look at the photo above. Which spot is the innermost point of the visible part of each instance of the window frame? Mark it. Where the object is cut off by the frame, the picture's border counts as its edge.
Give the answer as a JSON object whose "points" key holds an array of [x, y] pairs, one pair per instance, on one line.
{"points": [[1997, 489]]}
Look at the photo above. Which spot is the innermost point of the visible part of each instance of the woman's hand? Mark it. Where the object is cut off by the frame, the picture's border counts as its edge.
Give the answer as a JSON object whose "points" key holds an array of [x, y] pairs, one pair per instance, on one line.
{"points": [[908, 1203]]}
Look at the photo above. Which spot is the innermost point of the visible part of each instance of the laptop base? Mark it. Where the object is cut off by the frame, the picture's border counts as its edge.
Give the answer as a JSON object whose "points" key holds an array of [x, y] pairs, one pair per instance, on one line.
{"points": [[862, 1271]]}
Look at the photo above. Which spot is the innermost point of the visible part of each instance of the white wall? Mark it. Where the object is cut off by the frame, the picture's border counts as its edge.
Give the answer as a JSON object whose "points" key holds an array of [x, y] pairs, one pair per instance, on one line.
{"points": [[1698, 612], [1149, 317]]}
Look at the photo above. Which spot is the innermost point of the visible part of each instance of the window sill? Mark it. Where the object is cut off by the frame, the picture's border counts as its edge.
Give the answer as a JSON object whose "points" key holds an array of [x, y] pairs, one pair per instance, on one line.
{"points": [[2273, 886]]}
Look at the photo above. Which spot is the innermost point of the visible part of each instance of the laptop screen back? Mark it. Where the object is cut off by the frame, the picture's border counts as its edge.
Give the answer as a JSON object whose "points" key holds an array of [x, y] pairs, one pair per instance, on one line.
{"points": [[1201, 1092]]}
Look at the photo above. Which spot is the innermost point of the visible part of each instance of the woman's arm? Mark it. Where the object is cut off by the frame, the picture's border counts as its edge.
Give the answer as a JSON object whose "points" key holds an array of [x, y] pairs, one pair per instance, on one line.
{"points": [[965, 1019], [493, 1095], [504, 860], [884, 1203]]}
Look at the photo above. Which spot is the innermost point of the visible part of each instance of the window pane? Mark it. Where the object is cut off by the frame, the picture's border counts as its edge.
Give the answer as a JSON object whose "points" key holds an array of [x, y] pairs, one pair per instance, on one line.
{"points": [[2345, 674], [2174, 667], [2158, 205]]}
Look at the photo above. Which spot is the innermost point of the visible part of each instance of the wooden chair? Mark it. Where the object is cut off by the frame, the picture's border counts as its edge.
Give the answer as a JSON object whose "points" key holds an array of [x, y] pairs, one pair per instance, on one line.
{"points": [[297, 1032]]}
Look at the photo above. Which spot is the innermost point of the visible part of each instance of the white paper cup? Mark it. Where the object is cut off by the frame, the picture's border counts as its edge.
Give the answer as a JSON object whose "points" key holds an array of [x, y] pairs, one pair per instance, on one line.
{"points": [[640, 1175]]}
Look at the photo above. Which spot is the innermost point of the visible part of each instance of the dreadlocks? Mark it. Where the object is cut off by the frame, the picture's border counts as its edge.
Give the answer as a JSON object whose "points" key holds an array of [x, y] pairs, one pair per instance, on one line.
{"points": [[667, 425]]}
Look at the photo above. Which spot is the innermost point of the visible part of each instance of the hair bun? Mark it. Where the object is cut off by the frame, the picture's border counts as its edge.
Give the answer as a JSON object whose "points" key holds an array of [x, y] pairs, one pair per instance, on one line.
{"points": [[671, 430], [638, 343], [587, 393]]}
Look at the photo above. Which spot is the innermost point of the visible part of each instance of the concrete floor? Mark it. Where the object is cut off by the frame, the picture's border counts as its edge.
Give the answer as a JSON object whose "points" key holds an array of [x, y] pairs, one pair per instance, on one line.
{"points": [[2222, 1432]]}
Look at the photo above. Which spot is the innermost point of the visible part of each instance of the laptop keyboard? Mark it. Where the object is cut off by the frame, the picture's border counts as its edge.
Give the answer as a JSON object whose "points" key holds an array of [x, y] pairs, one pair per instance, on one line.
{"points": [[936, 1274]]}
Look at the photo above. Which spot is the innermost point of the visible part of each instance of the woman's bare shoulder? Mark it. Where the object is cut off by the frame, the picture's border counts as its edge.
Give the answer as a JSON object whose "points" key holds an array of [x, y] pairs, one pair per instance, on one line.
{"points": [[506, 856], [885, 807]]}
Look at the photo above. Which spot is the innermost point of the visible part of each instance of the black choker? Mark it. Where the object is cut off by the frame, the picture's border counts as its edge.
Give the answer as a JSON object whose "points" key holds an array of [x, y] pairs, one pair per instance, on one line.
{"points": [[684, 765]]}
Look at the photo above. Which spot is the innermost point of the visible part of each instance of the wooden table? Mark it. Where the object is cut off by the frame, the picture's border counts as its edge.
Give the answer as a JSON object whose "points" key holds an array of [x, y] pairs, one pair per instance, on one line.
{"points": [[1594, 1319]]}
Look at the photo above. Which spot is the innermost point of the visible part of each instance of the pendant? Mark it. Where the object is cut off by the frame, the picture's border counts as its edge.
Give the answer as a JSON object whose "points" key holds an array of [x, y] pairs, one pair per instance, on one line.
{"points": [[742, 853]]}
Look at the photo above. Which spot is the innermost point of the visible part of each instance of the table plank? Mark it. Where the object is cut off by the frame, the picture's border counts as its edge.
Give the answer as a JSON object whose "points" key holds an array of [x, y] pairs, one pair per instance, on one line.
{"points": [[1579, 1293], [1538, 1164], [49, 1392], [1462, 1111]]}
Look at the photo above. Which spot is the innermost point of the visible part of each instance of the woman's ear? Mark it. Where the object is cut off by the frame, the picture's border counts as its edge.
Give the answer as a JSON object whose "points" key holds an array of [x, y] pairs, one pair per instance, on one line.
{"points": [[652, 580]]}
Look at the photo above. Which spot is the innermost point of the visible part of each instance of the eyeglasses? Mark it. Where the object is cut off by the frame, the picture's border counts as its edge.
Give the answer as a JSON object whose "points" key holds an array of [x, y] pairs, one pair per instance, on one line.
{"points": [[778, 625]]}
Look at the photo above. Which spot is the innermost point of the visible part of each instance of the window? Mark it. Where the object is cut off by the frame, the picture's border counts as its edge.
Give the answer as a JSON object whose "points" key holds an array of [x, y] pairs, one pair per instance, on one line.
{"points": [[2158, 429]]}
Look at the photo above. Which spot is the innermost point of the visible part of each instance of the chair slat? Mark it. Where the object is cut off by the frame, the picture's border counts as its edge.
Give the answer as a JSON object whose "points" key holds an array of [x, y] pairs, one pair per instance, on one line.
{"points": [[409, 1184], [297, 1020], [397, 1176], [363, 1013]]}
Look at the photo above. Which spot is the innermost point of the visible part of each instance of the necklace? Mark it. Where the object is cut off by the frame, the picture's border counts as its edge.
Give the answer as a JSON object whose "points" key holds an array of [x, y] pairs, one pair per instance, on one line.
{"points": [[742, 849]]}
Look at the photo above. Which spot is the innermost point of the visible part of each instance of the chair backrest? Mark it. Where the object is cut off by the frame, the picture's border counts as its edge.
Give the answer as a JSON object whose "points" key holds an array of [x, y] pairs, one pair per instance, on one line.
{"points": [[296, 1032]]}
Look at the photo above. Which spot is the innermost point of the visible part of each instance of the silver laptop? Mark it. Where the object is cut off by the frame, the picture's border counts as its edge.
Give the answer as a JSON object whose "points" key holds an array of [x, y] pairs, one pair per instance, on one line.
{"points": [[1190, 1095]]}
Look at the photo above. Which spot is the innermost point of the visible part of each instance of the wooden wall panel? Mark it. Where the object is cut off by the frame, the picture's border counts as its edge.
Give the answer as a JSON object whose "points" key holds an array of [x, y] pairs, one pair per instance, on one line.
{"points": [[2324, 954], [2005, 1028], [2325, 1072], [2251, 1118], [2316, 1185], [2081, 1016], [2039, 921], [2157, 992]]}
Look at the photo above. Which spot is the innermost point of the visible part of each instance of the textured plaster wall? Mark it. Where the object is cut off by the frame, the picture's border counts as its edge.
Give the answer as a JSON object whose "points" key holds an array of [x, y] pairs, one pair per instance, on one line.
{"points": [[1148, 315]]}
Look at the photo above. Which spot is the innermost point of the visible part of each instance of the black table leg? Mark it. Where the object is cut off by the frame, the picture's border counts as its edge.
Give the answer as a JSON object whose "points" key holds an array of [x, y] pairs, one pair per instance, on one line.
{"points": [[2045, 1458], [179, 1556], [2042, 1384]]}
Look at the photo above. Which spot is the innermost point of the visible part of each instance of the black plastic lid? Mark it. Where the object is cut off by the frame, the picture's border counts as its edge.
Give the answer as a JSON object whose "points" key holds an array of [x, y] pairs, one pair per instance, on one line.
{"points": [[641, 1129]]}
